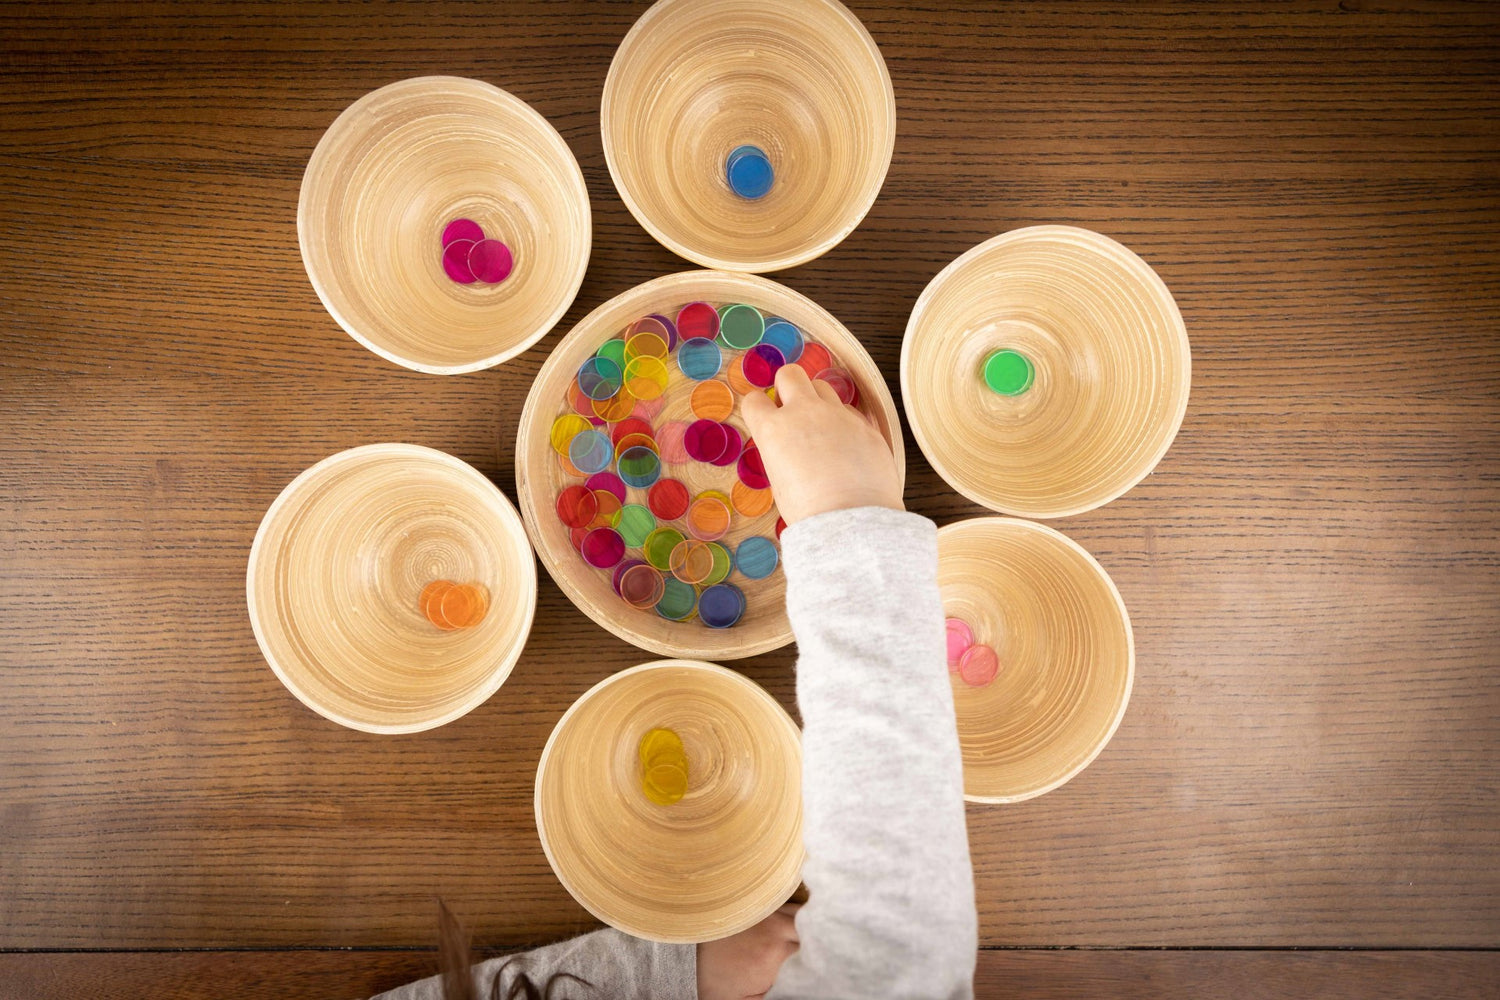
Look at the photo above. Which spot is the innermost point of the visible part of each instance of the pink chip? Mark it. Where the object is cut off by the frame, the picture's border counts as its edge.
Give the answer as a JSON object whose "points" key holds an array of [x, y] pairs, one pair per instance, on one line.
{"points": [[978, 666], [456, 261], [752, 470], [462, 229], [733, 445], [490, 261], [669, 442], [960, 638], [607, 481]]}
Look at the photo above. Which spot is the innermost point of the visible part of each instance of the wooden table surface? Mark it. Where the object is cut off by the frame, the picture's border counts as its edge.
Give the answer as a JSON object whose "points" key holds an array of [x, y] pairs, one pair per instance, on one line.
{"points": [[1313, 571]]}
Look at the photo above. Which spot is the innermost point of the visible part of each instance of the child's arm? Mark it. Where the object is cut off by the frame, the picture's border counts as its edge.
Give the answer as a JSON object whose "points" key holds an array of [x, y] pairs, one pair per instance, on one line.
{"points": [[891, 911], [615, 964]]}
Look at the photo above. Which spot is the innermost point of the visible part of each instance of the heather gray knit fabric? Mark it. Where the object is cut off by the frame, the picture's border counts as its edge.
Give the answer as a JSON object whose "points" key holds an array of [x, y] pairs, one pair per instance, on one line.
{"points": [[891, 910]]}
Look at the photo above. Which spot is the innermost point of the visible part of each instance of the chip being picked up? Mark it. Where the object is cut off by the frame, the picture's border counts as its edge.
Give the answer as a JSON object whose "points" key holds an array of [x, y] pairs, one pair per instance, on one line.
{"points": [[664, 767]]}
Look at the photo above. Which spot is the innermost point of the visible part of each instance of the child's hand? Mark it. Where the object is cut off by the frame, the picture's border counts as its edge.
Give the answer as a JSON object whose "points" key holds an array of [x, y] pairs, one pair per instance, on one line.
{"points": [[745, 964], [820, 455]]}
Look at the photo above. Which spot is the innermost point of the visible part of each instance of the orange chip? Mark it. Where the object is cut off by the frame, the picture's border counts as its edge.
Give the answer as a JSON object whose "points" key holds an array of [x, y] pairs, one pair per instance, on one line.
{"points": [[751, 502], [609, 506], [480, 596], [615, 408], [631, 440], [737, 380], [712, 400], [568, 468], [428, 602], [455, 606]]}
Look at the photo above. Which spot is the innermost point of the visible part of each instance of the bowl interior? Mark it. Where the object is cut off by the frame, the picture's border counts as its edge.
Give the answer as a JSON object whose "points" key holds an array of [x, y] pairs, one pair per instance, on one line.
{"points": [[800, 79], [1065, 647], [388, 177], [703, 868], [337, 570], [1112, 371], [542, 474]]}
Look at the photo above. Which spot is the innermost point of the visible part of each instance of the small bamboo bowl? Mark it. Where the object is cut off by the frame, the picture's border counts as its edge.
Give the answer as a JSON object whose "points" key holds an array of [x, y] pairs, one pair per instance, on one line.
{"points": [[715, 863], [336, 571], [1112, 371], [385, 180], [1066, 650], [540, 476], [801, 79]]}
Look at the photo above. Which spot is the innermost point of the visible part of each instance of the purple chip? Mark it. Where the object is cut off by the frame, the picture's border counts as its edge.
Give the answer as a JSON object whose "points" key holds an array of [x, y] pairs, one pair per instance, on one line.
{"points": [[490, 261], [456, 261], [732, 445], [620, 571], [671, 331], [707, 440], [760, 365], [462, 229]]}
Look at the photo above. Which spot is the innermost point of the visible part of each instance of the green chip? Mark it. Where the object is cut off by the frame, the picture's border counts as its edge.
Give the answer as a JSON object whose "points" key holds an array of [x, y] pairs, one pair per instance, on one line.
{"points": [[614, 350], [741, 327], [635, 524], [1009, 373], [659, 545], [677, 600], [723, 563]]}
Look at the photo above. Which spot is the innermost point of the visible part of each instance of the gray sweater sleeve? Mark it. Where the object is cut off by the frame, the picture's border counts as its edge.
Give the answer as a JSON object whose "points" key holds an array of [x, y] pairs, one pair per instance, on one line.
{"points": [[891, 907], [616, 964]]}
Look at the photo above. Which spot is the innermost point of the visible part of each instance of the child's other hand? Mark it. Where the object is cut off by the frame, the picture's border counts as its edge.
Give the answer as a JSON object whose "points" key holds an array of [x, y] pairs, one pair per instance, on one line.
{"points": [[745, 965], [820, 455]]}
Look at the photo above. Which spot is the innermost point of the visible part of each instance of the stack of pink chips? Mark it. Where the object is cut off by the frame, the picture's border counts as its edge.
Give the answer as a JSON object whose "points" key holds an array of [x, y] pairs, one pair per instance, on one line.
{"points": [[974, 662], [469, 257]]}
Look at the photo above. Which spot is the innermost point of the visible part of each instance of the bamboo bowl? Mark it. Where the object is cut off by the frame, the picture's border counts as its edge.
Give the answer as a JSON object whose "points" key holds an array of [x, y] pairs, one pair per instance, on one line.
{"points": [[800, 79], [385, 180], [1111, 360], [1066, 650], [540, 476], [338, 566], [711, 865]]}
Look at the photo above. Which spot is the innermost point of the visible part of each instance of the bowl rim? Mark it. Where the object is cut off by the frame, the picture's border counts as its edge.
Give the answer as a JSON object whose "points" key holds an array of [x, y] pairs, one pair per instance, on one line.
{"points": [[532, 412], [502, 669], [550, 135], [1046, 530], [1103, 244], [782, 717], [661, 9]]}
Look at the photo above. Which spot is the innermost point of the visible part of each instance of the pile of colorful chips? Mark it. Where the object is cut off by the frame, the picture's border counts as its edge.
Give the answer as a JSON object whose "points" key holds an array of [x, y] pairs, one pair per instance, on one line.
{"points": [[667, 547], [974, 662], [451, 606], [469, 257], [664, 767]]}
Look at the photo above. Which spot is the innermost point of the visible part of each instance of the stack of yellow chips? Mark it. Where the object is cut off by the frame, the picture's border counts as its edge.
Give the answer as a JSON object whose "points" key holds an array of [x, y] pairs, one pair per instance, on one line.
{"points": [[664, 767]]}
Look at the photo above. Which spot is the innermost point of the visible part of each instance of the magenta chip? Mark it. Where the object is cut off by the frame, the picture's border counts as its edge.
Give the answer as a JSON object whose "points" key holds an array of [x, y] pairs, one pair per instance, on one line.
{"points": [[462, 229], [752, 470], [607, 481], [733, 443], [490, 261], [707, 440], [603, 548], [760, 365], [456, 261]]}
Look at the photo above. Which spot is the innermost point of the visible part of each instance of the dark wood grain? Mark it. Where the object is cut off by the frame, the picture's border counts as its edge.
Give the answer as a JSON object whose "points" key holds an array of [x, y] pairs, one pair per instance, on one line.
{"points": [[1313, 572], [1022, 973]]}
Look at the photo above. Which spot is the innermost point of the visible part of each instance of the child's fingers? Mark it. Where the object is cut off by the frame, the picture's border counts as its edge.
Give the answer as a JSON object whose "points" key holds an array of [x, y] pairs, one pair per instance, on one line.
{"points": [[826, 392], [793, 385], [756, 407]]}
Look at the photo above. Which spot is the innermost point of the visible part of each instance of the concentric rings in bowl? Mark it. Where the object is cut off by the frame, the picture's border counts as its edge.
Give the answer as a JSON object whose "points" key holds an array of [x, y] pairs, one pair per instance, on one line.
{"points": [[802, 80], [337, 569], [711, 865], [392, 171], [1065, 646], [1112, 371]]}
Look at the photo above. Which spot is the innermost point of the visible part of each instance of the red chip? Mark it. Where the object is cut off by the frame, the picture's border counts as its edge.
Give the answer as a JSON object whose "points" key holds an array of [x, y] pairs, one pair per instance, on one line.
{"points": [[780, 527], [668, 499], [752, 470], [698, 319], [630, 425], [814, 359], [577, 506]]}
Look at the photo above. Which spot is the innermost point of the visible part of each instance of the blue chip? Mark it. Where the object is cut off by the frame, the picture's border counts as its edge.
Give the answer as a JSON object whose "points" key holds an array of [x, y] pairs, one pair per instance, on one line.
{"points": [[721, 605], [640, 467], [756, 557], [699, 358], [749, 172], [600, 378], [590, 451], [785, 337]]}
